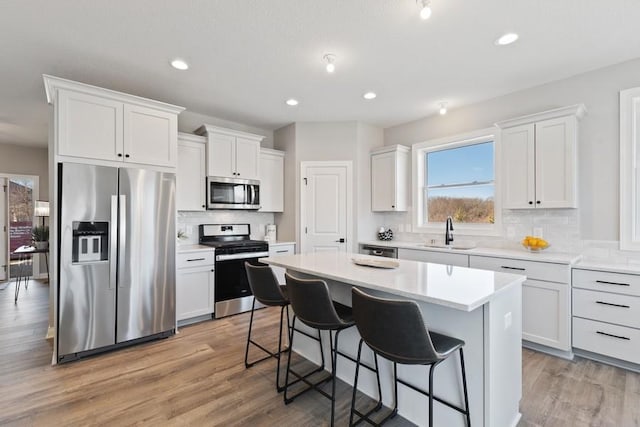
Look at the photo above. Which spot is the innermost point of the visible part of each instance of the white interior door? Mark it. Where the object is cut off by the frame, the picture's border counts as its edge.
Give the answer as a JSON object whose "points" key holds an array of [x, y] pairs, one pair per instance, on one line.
{"points": [[325, 206], [4, 231]]}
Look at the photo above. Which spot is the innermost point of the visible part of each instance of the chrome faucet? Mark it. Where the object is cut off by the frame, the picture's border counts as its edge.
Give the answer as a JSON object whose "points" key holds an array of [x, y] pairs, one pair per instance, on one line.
{"points": [[448, 235]]}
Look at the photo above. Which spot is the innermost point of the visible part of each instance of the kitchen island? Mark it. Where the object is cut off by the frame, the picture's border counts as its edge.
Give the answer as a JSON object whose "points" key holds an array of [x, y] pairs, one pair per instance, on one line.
{"points": [[483, 308]]}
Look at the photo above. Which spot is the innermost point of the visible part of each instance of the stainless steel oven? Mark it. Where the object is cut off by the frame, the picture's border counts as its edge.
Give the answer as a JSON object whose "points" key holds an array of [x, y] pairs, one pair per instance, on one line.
{"points": [[233, 247], [232, 193], [232, 292]]}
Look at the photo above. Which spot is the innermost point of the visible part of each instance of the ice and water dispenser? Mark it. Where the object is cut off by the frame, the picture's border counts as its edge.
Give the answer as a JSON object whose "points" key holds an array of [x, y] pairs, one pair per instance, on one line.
{"points": [[90, 241]]}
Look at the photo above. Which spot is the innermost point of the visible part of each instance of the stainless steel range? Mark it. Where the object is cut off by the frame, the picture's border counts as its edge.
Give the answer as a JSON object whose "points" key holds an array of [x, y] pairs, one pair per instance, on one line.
{"points": [[233, 247]]}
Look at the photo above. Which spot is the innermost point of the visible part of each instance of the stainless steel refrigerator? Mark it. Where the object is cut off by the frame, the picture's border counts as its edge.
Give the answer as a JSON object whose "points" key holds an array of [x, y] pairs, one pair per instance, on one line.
{"points": [[117, 258]]}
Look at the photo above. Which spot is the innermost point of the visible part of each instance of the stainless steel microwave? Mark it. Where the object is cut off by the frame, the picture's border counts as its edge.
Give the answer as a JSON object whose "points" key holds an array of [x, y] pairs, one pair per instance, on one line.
{"points": [[232, 193]]}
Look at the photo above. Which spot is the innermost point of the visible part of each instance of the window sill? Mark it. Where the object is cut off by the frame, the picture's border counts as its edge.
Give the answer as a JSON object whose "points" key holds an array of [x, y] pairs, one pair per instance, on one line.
{"points": [[460, 230]]}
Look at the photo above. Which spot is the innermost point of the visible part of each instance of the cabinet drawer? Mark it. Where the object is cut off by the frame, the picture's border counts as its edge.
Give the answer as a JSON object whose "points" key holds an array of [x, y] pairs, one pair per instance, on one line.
{"points": [[196, 259], [278, 250], [619, 283], [536, 270], [613, 308], [611, 340]]}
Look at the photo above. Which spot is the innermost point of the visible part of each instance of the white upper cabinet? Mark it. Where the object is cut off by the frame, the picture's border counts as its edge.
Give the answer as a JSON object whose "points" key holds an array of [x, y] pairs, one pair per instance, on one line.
{"points": [[231, 153], [89, 126], [271, 180], [103, 125], [191, 173], [390, 167], [150, 136], [540, 159], [247, 161]]}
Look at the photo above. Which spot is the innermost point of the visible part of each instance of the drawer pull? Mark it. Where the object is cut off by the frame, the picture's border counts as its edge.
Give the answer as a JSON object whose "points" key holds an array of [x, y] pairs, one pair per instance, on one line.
{"points": [[512, 268], [196, 259], [612, 304], [604, 282], [613, 336], [284, 251]]}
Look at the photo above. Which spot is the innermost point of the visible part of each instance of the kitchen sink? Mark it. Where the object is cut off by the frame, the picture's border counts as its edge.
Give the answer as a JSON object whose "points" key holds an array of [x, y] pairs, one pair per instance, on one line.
{"points": [[459, 246]]}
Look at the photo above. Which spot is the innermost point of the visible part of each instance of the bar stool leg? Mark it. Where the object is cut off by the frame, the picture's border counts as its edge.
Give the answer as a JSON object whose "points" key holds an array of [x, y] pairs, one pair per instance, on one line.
{"points": [[355, 384], [431, 371], [464, 387], [246, 351], [279, 388], [334, 371]]}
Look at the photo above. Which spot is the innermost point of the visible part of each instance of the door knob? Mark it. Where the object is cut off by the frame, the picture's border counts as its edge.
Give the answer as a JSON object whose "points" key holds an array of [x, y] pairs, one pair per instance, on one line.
{"points": [[340, 240]]}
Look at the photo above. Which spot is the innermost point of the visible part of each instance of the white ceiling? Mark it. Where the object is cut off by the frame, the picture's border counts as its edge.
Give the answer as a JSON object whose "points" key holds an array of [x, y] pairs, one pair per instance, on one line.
{"points": [[248, 56]]}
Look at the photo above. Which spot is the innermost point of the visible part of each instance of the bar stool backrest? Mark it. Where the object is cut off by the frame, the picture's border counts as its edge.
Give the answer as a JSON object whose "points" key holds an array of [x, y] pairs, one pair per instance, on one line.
{"points": [[264, 285], [312, 304], [394, 329]]}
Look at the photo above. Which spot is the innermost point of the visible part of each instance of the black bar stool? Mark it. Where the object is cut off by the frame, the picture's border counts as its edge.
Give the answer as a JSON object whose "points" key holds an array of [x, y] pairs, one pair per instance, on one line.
{"points": [[268, 291], [395, 330], [312, 304]]}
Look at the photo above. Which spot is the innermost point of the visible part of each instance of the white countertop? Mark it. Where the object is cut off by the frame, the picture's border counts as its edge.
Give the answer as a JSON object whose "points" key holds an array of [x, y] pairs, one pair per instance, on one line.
{"points": [[543, 256], [185, 249], [456, 287], [609, 266]]}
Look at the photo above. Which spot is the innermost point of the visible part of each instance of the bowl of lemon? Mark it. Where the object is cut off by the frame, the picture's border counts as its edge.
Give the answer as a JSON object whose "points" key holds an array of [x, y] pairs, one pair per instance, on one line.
{"points": [[535, 244]]}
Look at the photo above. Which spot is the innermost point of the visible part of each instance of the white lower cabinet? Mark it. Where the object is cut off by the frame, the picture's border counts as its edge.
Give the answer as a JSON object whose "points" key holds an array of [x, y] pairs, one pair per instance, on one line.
{"points": [[546, 298], [280, 249], [545, 313], [434, 256], [606, 314], [195, 284]]}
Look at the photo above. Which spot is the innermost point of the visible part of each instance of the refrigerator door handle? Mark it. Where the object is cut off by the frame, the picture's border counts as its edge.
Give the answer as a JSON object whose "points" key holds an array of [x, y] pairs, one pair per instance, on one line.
{"points": [[113, 242], [122, 237]]}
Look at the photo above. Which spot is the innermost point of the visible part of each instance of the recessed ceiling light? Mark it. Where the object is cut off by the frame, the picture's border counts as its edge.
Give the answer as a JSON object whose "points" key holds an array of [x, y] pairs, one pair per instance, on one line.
{"points": [[425, 9], [330, 59], [442, 108], [179, 64], [369, 95], [292, 102], [506, 39]]}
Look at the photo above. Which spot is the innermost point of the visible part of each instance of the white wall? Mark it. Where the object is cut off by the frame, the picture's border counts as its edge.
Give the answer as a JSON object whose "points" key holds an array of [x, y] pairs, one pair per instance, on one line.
{"points": [[369, 138], [598, 146], [326, 141], [21, 160], [286, 222]]}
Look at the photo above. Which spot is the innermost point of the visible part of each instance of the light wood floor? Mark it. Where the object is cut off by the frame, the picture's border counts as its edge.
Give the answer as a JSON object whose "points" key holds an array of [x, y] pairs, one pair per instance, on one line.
{"points": [[198, 378]]}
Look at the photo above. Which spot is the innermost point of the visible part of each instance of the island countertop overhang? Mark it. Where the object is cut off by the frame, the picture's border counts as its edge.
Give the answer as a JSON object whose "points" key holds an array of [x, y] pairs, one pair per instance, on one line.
{"points": [[456, 287]]}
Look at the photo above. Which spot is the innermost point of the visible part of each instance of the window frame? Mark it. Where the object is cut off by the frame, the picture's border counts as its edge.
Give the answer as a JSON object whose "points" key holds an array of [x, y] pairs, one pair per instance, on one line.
{"points": [[419, 151], [629, 191]]}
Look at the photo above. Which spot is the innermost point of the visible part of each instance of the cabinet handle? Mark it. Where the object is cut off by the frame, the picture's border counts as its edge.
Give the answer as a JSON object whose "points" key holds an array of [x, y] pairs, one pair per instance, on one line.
{"points": [[538, 202], [282, 251], [212, 270], [512, 268], [203, 206], [196, 259], [393, 206], [613, 336], [530, 202], [119, 154], [126, 155], [612, 304], [604, 282]]}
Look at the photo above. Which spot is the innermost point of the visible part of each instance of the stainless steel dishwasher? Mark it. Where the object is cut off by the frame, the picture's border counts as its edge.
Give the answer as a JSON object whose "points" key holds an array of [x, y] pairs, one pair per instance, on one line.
{"points": [[384, 251]]}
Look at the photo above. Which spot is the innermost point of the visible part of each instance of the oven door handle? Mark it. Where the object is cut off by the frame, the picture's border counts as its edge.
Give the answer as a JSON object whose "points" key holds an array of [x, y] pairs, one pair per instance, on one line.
{"points": [[244, 255]]}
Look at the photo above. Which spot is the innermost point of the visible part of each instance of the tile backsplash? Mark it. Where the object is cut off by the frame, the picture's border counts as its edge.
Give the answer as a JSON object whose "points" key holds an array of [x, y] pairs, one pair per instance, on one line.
{"points": [[188, 222], [561, 227]]}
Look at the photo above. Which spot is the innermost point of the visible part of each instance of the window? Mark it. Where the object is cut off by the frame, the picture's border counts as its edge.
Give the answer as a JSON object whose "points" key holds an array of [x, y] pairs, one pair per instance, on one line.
{"points": [[629, 172], [457, 177]]}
